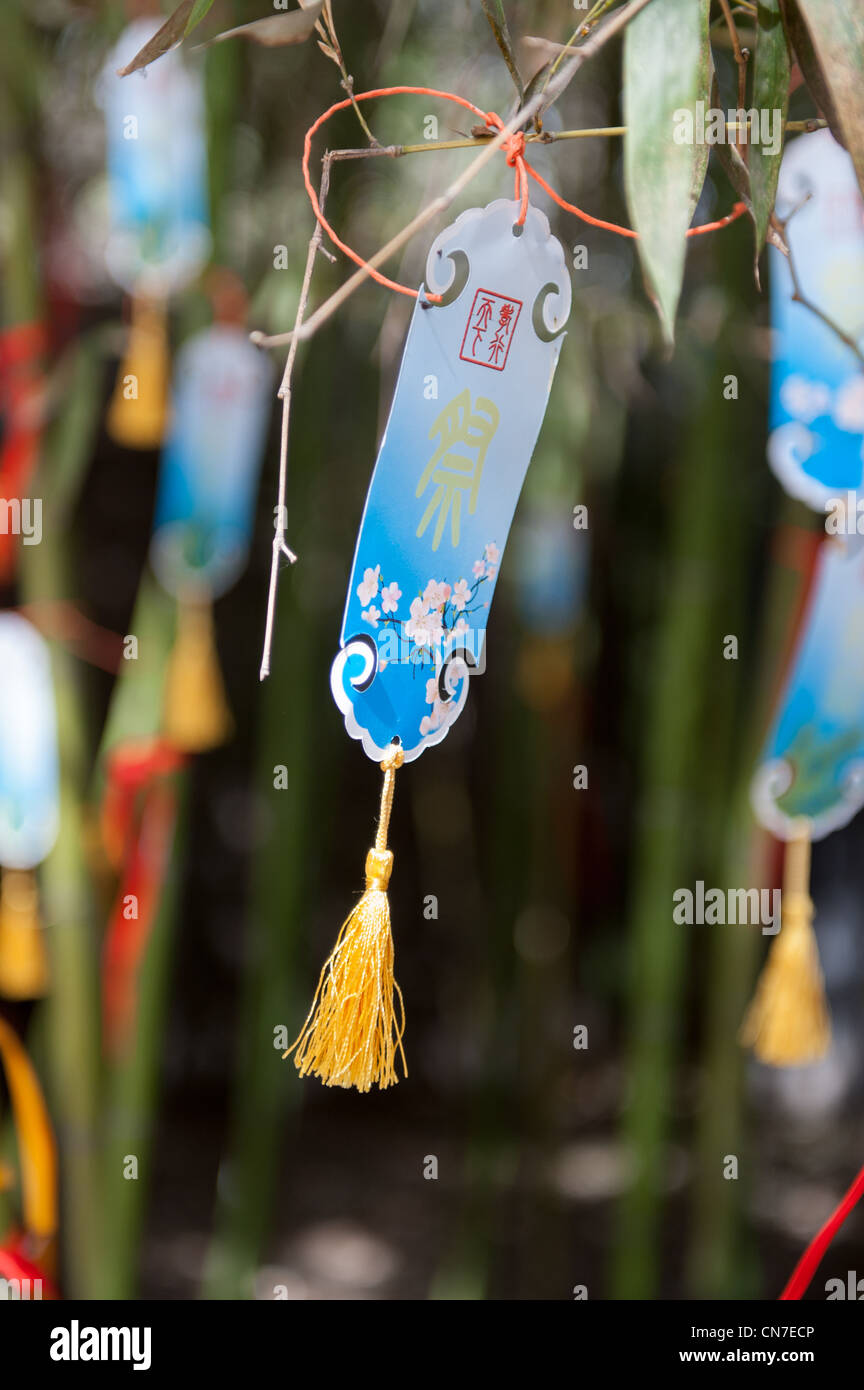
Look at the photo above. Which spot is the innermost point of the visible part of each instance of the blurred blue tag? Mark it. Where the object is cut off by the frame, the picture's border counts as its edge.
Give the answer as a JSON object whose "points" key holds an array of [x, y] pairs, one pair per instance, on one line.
{"points": [[817, 387], [29, 778], [209, 472], [157, 167], [813, 760], [469, 403]]}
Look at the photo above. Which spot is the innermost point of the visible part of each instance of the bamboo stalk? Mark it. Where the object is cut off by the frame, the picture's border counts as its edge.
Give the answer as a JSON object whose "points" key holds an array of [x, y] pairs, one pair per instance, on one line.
{"points": [[265, 1087], [267, 1090], [131, 1084], [132, 1087], [724, 858], [68, 911], [658, 946], [717, 1266]]}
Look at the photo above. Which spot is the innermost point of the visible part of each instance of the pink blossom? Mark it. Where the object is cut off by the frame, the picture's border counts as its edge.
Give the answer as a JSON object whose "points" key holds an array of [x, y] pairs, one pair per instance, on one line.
{"points": [[436, 593], [390, 597], [461, 593], [415, 627], [368, 588]]}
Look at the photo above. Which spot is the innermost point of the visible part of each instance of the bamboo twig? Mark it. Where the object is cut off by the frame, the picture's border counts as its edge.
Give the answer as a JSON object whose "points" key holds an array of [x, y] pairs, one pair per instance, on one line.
{"points": [[741, 56], [546, 137], [332, 48], [541, 100], [588, 23], [799, 297], [280, 545]]}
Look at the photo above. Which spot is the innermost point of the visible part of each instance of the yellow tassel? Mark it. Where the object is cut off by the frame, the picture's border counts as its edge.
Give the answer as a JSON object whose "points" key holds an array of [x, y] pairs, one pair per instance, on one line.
{"points": [[787, 1024], [138, 413], [36, 1146], [195, 712], [352, 1035], [24, 970]]}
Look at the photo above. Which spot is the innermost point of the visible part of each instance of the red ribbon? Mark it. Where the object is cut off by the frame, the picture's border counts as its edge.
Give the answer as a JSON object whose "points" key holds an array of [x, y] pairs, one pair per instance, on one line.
{"points": [[21, 346], [15, 1264], [812, 1257], [139, 816]]}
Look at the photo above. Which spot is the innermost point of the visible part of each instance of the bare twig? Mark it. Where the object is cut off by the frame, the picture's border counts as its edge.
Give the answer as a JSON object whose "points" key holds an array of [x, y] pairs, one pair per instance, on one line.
{"points": [[280, 545], [546, 137], [741, 56], [799, 297], [588, 23], [440, 204], [332, 48]]}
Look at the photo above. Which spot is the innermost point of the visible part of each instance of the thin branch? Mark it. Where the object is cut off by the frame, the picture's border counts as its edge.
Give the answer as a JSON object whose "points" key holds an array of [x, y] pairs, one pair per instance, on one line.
{"points": [[741, 56], [799, 297], [280, 545], [588, 23], [443, 201], [332, 48], [547, 137]]}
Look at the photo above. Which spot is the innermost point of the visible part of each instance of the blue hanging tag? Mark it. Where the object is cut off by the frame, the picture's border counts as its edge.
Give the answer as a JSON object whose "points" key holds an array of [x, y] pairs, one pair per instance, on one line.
{"points": [[469, 403], [813, 762], [29, 778], [157, 167], [817, 388], [209, 474]]}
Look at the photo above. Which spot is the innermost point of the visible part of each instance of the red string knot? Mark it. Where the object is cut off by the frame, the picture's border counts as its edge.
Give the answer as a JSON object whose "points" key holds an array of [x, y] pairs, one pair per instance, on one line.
{"points": [[515, 148]]}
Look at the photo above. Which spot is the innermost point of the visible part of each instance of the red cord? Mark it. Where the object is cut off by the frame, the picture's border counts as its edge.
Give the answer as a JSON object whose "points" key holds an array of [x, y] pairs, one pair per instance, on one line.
{"points": [[812, 1257], [514, 149], [313, 197]]}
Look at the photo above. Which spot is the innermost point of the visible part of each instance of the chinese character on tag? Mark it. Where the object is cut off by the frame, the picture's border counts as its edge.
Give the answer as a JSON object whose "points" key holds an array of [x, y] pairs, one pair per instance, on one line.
{"points": [[454, 473]]}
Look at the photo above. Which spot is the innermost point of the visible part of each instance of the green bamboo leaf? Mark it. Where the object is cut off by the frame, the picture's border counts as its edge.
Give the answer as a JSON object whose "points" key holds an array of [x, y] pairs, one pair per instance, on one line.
{"points": [[836, 28], [667, 69], [801, 45], [199, 10], [494, 12], [770, 93]]}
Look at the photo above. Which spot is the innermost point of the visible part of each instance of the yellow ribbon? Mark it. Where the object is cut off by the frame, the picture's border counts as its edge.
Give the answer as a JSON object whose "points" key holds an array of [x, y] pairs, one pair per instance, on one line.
{"points": [[36, 1145]]}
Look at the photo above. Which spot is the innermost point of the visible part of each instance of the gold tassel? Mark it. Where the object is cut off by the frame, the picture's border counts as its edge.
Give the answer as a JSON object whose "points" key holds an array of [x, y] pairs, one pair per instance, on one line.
{"points": [[195, 711], [787, 1024], [351, 1036], [24, 970], [37, 1148], [138, 413]]}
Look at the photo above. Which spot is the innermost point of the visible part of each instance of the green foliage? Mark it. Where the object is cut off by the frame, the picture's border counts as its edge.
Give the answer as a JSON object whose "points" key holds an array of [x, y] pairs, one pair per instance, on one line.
{"points": [[771, 91], [836, 28], [494, 12], [200, 9], [666, 68]]}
